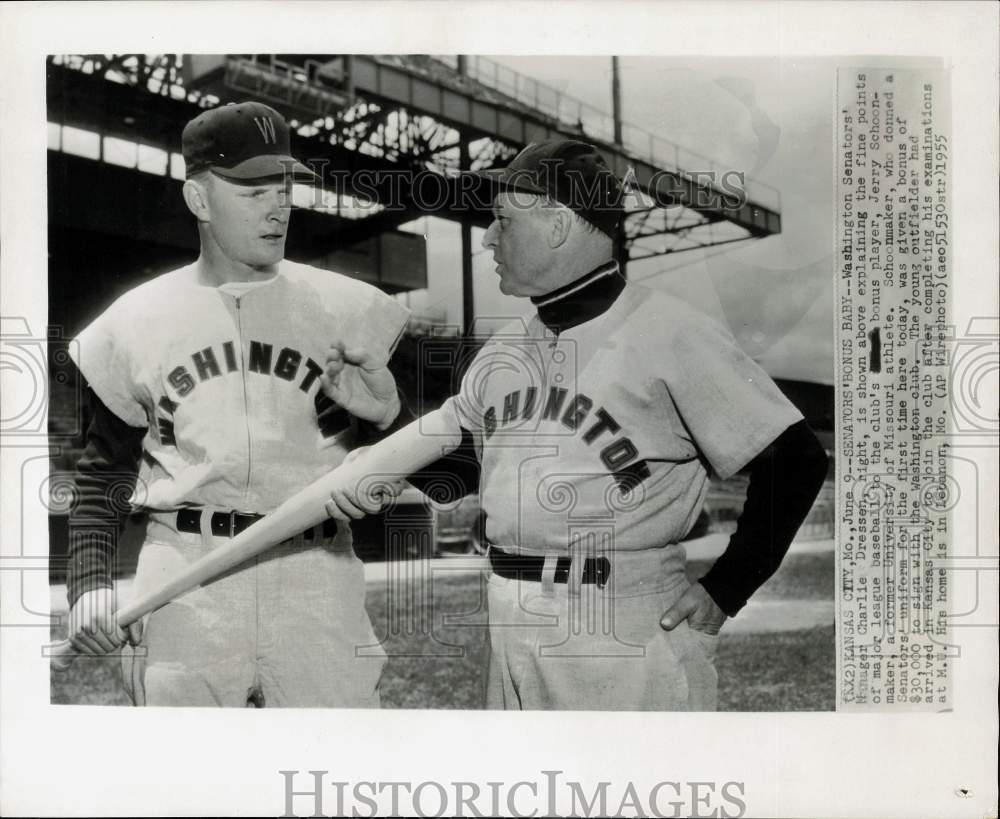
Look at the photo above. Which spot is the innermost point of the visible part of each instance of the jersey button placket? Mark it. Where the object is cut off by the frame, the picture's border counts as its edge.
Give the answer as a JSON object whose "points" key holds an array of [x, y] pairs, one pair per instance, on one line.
{"points": [[557, 360]]}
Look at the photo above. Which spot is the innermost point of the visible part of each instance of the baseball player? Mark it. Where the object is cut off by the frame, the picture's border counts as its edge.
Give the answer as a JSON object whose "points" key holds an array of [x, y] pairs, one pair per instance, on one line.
{"points": [[597, 423], [219, 389]]}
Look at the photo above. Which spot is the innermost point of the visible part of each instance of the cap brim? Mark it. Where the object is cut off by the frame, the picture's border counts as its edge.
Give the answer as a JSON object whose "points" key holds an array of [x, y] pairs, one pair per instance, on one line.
{"points": [[267, 166]]}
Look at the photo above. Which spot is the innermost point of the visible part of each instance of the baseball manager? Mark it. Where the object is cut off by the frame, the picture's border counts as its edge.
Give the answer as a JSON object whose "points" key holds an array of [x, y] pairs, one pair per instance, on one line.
{"points": [[218, 390], [596, 423]]}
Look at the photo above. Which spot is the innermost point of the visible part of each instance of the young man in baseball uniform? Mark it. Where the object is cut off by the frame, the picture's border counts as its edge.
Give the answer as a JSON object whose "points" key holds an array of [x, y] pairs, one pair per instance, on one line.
{"points": [[596, 423], [219, 390]]}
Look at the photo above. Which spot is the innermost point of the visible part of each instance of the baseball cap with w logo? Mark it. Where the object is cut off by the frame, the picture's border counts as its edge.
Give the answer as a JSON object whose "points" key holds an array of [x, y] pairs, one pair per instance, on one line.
{"points": [[242, 141]]}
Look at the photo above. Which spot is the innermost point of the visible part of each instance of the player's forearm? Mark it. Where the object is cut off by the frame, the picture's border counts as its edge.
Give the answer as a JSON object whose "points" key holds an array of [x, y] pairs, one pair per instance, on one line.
{"points": [[411, 447], [784, 482], [451, 477], [105, 475]]}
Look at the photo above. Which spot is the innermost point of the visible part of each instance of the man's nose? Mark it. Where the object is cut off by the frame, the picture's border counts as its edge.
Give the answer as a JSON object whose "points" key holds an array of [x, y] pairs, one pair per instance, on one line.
{"points": [[489, 238], [280, 206]]}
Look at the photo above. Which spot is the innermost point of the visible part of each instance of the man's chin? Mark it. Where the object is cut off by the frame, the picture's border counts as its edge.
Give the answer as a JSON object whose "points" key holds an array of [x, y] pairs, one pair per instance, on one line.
{"points": [[508, 289], [269, 259]]}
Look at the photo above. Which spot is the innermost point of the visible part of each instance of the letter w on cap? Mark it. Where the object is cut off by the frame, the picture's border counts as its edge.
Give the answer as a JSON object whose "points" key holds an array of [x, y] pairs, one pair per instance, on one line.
{"points": [[266, 127]]}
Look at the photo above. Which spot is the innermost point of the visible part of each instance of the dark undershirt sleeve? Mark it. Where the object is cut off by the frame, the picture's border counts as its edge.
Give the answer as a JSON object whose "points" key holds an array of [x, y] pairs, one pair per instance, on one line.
{"points": [[104, 478], [453, 476], [448, 479], [784, 481]]}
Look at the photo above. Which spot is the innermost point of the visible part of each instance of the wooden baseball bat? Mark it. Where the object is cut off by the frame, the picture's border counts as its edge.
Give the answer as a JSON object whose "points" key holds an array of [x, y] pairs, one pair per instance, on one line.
{"points": [[404, 452]]}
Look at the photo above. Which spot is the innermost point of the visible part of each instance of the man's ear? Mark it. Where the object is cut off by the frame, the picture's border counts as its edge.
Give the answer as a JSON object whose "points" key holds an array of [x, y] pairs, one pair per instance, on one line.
{"points": [[196, 198], [562, 225]]}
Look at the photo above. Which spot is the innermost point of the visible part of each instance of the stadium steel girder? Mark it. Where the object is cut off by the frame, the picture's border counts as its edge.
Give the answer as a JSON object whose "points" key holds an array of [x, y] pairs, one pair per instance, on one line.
{"points": [[679, 229], [483, 113], [116, 109], [390, 113]]}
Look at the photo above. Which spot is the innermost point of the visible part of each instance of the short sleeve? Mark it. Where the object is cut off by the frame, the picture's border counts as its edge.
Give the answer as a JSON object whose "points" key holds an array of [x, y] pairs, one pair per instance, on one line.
{"points": [[459, 415], [382, 324], [106, 359], [731, 407]]}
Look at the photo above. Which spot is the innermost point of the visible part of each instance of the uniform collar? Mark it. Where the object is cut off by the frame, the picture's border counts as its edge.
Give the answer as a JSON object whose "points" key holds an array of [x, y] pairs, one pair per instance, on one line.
{"points": [[582, 299]]}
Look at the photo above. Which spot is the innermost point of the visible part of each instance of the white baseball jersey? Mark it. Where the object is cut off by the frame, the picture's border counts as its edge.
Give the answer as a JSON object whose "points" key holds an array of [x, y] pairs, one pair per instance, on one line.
{"points": [[228, 385], [609, 429]]}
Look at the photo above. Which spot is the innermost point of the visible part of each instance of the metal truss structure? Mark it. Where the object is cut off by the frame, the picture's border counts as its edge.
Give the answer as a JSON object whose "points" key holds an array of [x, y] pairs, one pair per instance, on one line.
{"points": [[442, 114]]}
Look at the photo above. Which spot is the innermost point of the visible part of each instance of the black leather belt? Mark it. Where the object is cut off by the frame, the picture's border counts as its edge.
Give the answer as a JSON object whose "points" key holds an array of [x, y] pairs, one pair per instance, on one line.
{"points": [[230, 524], [529, 567]]}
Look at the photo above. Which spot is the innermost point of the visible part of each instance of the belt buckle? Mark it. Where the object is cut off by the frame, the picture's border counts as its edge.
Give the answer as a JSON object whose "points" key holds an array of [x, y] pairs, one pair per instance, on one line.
{"points": [[232, 524]]}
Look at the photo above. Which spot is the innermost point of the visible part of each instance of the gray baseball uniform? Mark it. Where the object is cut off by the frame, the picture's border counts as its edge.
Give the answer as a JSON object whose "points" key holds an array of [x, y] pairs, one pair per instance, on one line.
{"points": [[596, 443], [226, 382]]}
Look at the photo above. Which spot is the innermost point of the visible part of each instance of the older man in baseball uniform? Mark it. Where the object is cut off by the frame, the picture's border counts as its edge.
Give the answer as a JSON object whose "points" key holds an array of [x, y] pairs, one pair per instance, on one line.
{"points": [[219, 389], [597, 422]]}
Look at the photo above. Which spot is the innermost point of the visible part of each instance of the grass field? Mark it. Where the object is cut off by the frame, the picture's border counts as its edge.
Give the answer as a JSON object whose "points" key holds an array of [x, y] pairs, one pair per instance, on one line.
{"points": [[438, 650]]}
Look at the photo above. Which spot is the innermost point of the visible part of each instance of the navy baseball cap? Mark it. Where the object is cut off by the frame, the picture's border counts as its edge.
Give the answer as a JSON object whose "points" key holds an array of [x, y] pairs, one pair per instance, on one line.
{"points": [[242, 141], [572, 173]]}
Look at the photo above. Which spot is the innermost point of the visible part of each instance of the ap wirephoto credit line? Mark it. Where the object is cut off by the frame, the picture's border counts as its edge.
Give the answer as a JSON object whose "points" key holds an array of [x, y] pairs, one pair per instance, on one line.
{"points": [[894, 336]]}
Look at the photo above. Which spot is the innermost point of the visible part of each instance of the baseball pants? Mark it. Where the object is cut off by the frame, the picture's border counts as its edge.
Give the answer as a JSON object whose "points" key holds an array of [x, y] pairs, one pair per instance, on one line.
{"points": [[288, 628], [576, 646]]}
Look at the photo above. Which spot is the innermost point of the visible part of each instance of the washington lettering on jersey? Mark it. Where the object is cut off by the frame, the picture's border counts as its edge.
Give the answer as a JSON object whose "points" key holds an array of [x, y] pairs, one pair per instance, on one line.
{"points": [[287, 365], [618, 454]]}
